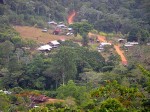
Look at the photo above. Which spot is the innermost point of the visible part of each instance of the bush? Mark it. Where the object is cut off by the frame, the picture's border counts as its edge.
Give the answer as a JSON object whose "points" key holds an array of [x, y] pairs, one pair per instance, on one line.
{"points": [[17, 90]]}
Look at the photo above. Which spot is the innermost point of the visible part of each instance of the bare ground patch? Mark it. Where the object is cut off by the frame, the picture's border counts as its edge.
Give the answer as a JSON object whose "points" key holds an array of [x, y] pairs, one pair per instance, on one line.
{"points": [[37, 35]]}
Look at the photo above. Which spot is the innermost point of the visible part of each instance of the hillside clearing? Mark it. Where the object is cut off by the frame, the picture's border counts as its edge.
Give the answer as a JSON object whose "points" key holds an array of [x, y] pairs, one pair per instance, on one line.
{"points": [[36, 34]]}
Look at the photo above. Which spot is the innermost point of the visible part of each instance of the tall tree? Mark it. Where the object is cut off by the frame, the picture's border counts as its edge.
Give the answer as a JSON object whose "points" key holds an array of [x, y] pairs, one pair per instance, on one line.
{"points": [[64, 62]]}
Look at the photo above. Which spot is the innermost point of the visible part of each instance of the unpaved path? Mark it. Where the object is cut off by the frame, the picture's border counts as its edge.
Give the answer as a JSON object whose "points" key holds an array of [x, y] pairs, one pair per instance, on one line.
{"points": [[101, 39], [71, 17], [117, 48], [121, 54]]}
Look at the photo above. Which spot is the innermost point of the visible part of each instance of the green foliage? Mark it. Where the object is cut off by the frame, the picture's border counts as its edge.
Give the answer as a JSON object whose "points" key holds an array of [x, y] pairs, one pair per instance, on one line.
{"points": [[81, 28], [4, 102], [132, 35], [89, 59], [39, 109], [7, 48], [17, 90], [85, 40], [72, 90], [141, 35], [146, 73], [144, 36], [27, 69], [129, 97], [64, 63], [112, 105]]}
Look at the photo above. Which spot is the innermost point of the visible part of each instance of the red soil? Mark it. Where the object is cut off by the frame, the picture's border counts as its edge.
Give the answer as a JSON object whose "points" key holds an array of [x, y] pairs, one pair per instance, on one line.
{"points": [[71, 17], [117, 48], [101, 39], [120, 53]]}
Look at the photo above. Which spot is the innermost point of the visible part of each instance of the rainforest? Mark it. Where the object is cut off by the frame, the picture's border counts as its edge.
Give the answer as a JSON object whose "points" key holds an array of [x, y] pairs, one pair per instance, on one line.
{"points": [[74, 56]]}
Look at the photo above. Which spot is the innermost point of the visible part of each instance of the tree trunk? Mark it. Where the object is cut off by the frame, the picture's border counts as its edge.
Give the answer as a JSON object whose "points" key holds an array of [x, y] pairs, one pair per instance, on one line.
{"points": [[63, 79]]}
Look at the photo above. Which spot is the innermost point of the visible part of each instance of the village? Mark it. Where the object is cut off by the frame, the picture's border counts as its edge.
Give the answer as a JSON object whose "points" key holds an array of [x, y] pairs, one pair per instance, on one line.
{"points": [[74, 56], [62, 29]]}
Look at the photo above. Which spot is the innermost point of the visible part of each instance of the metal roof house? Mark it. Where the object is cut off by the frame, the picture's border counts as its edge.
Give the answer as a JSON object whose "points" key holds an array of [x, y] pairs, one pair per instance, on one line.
{"points": [[45, 48], [52, 23], [105, 43], [54, 43]]}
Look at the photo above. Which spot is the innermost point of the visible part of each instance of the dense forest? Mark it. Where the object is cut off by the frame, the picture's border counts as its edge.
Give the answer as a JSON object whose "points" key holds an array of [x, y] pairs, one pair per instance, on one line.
{"points": [[80, 78]]}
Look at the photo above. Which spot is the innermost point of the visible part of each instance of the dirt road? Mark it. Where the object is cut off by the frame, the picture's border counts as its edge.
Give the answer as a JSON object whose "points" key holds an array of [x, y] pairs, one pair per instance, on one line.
{"points": [[71, 17], [120, 53], [102, 39]]}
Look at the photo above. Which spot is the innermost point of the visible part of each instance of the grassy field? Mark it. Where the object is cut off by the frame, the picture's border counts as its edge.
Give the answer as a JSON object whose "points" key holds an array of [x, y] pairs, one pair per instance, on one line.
{"points": [[36, 34]]}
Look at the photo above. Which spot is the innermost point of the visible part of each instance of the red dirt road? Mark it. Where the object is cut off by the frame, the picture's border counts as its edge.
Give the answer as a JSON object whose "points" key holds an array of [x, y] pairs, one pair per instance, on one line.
{"points": [[71, 17], [101, 39], [117, 48], [120, 53]]}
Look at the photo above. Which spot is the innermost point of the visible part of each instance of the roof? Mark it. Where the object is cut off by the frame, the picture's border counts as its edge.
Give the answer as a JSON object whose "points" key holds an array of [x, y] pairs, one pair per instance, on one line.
{"points": [[45, 47], [133, 43], [105, 43], [121, 39], [55, 42], [148, 43], [52, 22], [61, 25], [70, 29], [128, 45]]}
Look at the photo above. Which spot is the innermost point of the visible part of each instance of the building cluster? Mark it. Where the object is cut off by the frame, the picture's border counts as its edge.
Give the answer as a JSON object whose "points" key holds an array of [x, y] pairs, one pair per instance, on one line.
{"points": [[49, 46], [102, 45], [60, 28], [5, 92]]}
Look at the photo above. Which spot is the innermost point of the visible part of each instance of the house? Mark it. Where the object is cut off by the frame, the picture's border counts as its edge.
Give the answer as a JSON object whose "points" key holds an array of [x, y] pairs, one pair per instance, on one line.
{"points": [[6, 92], [148, 44], [56, 31], [70, 29], [69, 34], [44, 30], [121, 40], [100, 48], [45, 48], [105, 43], [54, 43], [52, 23], [133, 43], [61, 26], [128, 45]]}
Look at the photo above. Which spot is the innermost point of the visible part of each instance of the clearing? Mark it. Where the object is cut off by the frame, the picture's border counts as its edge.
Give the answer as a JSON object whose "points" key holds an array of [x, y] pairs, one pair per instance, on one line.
{"points": [[37, 35]]}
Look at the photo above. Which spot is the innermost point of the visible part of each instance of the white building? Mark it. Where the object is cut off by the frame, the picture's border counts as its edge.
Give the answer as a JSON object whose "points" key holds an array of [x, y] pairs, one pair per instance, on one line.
{"points": [[45, 48], [105, 43], [52, 22], [133, 43], [54, 43]]}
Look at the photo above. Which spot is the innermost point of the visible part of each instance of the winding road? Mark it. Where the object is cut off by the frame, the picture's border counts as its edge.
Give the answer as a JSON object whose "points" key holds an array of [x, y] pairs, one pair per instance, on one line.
{"points": [[102, 39], [71, 17]]}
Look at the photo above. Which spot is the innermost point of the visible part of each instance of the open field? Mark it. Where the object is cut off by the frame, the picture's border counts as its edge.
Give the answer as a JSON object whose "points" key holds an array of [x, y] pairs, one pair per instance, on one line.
{"points": [[36, 34]]}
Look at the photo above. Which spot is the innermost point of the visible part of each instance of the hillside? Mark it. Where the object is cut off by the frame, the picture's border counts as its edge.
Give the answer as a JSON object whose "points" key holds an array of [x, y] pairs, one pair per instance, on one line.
{"points": [[36, 34], [102, 66], [108, 16]]}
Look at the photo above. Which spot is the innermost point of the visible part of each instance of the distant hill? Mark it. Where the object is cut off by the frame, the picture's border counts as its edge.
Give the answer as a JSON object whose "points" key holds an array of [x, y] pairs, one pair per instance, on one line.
{"points": [[109, 16]]}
